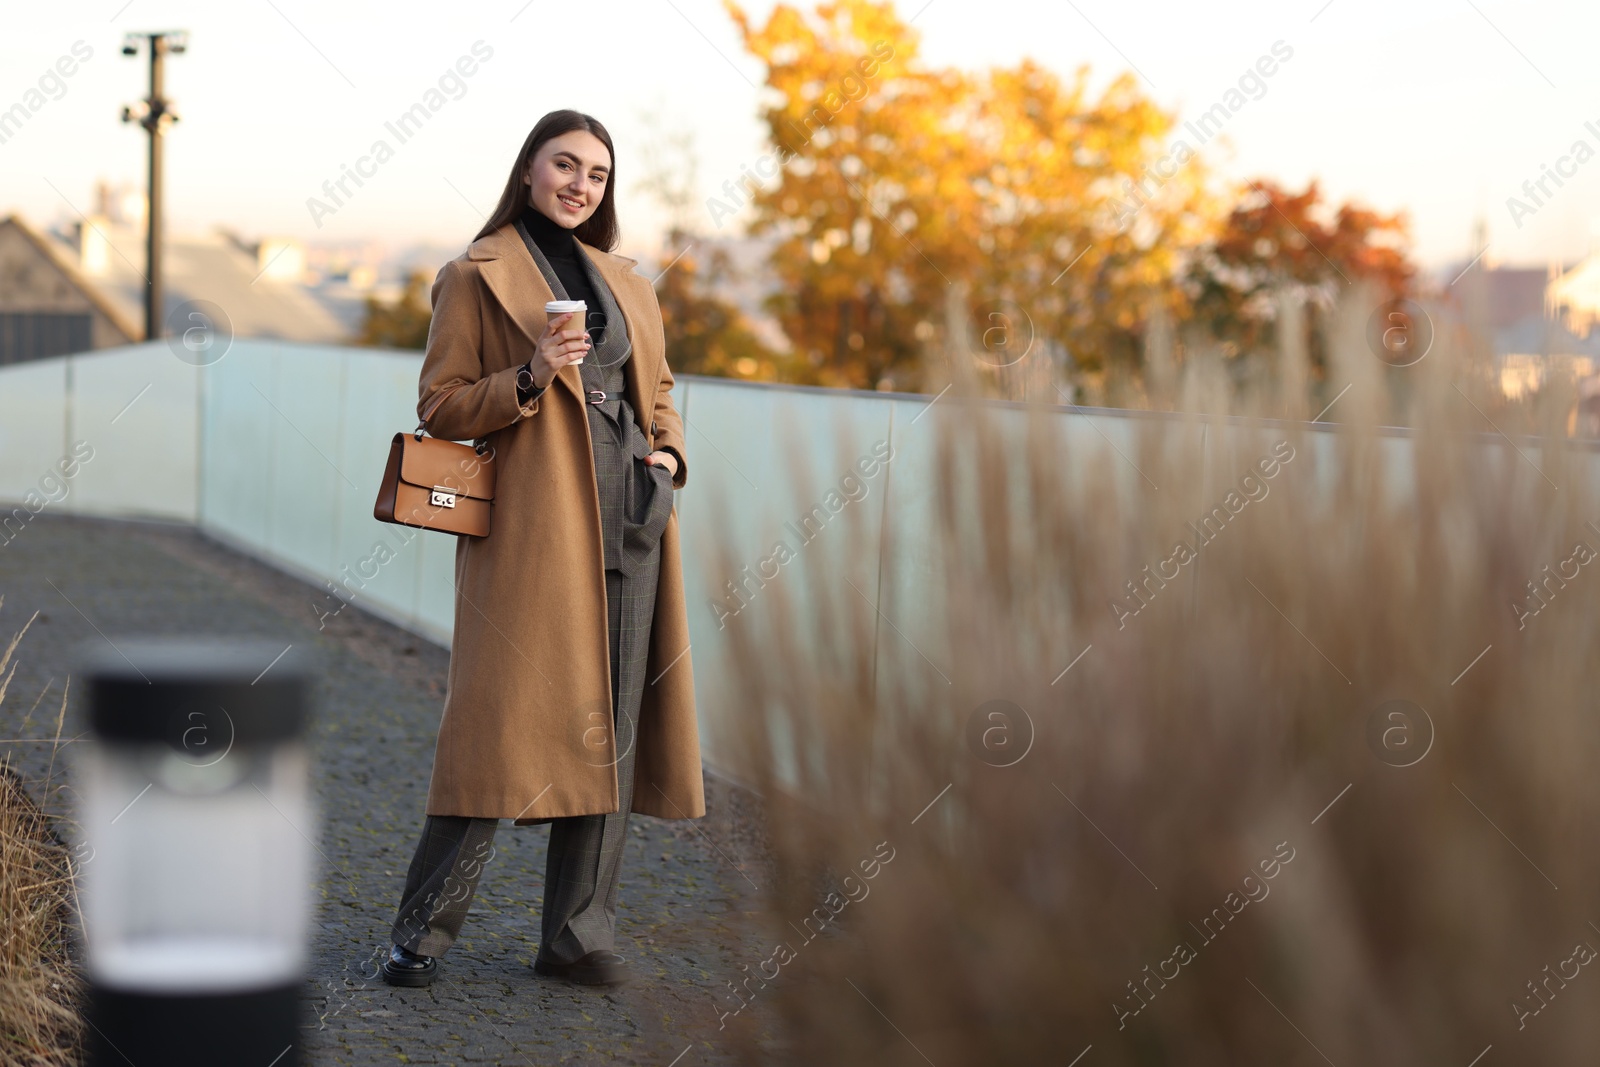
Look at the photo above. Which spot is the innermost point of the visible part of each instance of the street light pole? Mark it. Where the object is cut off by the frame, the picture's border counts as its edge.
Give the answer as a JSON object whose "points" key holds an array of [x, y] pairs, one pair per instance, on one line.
{"points": [[155, 115]]}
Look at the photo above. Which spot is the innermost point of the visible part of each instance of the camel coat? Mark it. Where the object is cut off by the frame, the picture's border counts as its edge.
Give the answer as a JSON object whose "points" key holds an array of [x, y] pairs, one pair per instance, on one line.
{"points": [[522, 736]]}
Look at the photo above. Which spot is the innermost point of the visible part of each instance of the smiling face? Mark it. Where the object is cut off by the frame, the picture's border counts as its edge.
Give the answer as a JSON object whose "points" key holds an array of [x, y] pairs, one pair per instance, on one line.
{"points": [[567, 178]]}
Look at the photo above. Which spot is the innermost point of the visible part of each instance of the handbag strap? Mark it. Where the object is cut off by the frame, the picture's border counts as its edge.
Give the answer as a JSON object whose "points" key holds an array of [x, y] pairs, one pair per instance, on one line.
{"points": [[433, 405]]}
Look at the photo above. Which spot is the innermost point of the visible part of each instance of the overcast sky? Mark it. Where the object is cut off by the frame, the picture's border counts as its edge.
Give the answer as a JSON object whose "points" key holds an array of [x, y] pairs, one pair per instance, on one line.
{"points": [[1440, 108]]}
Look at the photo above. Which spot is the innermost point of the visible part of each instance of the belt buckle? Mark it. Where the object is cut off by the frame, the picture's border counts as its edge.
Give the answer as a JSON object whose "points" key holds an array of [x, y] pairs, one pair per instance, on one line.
{"points": [[590, 395]]}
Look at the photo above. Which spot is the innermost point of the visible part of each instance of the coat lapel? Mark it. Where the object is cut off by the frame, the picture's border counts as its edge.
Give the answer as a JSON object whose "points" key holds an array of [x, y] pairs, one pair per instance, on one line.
{"points": [[623, 283], [515, 281]]}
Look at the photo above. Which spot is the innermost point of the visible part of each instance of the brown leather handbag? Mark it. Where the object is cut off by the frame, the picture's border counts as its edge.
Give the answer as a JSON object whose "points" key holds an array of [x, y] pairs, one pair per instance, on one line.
{"points": [[437, 485]]}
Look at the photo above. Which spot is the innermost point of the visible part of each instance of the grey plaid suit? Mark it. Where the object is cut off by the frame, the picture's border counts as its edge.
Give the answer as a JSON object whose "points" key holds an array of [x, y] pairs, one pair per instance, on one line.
{"points": [[584, 859]]}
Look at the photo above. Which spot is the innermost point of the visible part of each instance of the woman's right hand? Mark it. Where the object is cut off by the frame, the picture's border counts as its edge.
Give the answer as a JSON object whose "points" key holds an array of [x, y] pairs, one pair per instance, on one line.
{"points": [[556, 347]]}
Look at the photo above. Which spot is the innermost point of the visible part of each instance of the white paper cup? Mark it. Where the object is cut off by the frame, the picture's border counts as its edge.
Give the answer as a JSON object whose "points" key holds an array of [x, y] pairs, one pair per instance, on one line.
{"points": [[557, 308]]}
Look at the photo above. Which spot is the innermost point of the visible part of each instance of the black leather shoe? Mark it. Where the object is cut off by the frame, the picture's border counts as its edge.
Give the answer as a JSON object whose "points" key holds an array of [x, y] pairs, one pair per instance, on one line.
{"points": [[404, 967], [595, 968]]}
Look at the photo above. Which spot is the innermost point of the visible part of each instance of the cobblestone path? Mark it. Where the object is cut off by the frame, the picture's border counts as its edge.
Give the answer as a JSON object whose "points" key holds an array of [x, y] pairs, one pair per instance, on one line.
{"points": [[687, 886]]}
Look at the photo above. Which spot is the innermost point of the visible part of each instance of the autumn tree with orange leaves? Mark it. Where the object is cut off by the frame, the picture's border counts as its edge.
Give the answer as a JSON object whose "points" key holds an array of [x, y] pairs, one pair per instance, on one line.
{"points": [[901, 184], [1274, 241]]}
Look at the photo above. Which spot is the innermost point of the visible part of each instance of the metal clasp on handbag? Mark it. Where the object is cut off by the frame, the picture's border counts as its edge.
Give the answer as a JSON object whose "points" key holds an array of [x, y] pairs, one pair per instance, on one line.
{"points": [[442, 497]]}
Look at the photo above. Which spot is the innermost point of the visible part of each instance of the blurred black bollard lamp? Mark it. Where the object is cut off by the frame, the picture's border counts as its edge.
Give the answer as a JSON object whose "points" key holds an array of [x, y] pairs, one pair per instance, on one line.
{"points": [[196, 897]]}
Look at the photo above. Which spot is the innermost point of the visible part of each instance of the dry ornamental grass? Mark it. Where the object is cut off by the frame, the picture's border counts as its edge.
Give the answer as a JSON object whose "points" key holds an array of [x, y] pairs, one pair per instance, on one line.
{"points": [[39, 989], [1202, 740]]}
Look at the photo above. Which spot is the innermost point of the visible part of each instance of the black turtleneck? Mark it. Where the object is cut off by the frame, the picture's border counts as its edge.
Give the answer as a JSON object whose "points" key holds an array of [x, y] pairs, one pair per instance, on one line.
{"points": [[561, 249]]}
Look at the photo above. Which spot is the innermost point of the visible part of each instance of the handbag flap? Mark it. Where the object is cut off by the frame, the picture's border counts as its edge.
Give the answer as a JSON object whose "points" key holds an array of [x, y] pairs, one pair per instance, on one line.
{"points": [[431, 462]]}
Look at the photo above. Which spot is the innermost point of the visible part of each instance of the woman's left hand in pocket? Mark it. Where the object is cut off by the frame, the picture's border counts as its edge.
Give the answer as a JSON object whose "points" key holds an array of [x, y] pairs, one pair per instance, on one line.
{"points": [[663, 459]]}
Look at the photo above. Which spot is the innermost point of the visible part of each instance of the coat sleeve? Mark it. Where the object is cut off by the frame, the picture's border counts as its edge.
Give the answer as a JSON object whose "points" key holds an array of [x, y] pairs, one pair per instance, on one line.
{"points": [[474, 404], [669, 425]]}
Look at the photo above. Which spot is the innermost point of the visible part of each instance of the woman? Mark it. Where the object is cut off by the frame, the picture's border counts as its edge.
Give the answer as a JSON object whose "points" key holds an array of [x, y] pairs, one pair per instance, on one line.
{"points": [[570, 698]]}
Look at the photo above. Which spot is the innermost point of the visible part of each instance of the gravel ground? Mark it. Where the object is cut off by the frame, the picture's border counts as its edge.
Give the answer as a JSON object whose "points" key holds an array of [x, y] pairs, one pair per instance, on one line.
{"points": [[688, 886]]}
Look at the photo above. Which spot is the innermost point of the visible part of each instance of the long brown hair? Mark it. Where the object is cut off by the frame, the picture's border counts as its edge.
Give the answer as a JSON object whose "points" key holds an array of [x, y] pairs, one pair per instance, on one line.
{"points": [[599, 230]]}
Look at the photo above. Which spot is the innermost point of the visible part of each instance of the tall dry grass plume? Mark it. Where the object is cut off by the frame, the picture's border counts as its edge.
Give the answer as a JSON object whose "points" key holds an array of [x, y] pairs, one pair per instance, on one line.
{"points": [[1196, 737], [39, 989]]}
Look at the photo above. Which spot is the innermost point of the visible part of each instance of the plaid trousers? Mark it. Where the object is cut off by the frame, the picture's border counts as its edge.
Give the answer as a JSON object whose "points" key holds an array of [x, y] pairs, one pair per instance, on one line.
{"points": [[584, 860]]}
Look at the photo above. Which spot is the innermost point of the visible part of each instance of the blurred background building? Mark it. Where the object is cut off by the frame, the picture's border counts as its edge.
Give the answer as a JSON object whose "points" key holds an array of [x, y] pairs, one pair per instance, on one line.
{"points": [[1541, 319], [79, 285]]}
